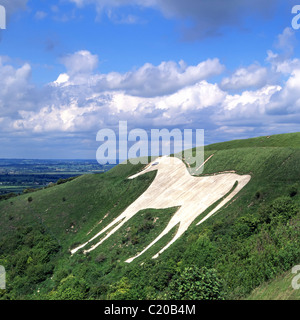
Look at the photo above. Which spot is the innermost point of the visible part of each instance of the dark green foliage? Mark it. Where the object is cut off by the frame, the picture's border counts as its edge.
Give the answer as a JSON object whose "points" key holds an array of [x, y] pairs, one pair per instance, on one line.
{"points": [[29, 190], [200, 252], [32, 262], [258, 195], [61, 181], [293, 190], [196, 284], [8, 196], [280, 211]]}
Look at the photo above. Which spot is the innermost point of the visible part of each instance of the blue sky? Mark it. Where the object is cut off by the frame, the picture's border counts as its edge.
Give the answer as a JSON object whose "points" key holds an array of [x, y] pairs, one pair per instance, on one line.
{"points": [[69, 68]]}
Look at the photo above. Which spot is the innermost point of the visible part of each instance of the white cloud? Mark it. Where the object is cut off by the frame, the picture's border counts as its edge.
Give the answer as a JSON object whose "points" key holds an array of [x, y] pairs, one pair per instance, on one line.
{"points": [[253, 76], [81, 62], [282, 65], [62, 78], [199, 96], [166, 78], [250, 102], [283, 62], [55, 118], [287, 100], [15, 87], [85, 113], [147, 81]]}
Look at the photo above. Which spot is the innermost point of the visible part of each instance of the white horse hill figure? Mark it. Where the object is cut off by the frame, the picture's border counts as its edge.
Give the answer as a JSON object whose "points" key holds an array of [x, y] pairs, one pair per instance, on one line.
{"points": [[173, 186]]}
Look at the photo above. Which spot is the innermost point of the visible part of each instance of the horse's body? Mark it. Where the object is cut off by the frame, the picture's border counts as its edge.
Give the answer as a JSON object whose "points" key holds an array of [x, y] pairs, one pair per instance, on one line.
{"points": [[173, 186]]}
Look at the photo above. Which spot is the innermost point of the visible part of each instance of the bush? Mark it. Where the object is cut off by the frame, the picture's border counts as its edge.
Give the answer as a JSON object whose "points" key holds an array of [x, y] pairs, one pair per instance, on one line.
{"points": [[258, 195], [70, 288], [280, 211], [121, 290], [196, 284], [29, 190], [293, 190], [100, 258], [7, 196]]}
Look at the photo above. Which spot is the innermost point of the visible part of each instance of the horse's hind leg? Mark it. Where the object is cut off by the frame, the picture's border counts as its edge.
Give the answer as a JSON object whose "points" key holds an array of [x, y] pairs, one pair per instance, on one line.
{"points": [[177, 235], [118, 221], [118, 226], [166, 231]]}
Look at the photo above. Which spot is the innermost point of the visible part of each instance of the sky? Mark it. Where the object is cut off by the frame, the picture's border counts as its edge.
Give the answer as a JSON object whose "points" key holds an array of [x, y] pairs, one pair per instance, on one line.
{"points": [[69, 68]]}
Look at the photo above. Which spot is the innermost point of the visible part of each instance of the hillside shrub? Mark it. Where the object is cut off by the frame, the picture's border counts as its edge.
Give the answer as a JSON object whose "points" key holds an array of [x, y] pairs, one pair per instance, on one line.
{"points": [[196, 284]]}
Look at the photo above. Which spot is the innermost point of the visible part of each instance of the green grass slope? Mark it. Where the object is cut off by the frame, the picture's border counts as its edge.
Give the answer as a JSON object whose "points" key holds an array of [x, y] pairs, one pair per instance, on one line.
{"points": [[278, 289], [287, 140], [252, 240]]}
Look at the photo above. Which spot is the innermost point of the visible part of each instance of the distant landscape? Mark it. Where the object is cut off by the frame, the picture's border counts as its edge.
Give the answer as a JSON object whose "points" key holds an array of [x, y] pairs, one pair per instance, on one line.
{"points": [[23, 175]]}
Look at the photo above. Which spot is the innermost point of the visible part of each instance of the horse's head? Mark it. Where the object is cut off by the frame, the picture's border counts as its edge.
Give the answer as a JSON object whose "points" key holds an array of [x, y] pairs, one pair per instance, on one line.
{"points": [[162, 164]]}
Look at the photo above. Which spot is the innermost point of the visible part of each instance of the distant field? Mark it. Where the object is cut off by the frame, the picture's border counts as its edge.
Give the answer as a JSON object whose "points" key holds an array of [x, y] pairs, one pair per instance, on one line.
{"points": [[16, 175]]}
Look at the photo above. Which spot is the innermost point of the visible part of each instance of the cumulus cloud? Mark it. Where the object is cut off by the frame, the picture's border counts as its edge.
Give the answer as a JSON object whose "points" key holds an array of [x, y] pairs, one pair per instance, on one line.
{"points": [[74, 112], [56, 118], [253, 101], [15, 89], [165, 78], [281, 65], [146, 81], [287, 100], [81, 62], [253, 76]]}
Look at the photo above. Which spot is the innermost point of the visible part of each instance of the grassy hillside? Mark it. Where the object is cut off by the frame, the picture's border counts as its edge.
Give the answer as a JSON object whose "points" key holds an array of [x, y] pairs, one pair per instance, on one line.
{"points": [[254, 239], [278, 289], [287, 140]]}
